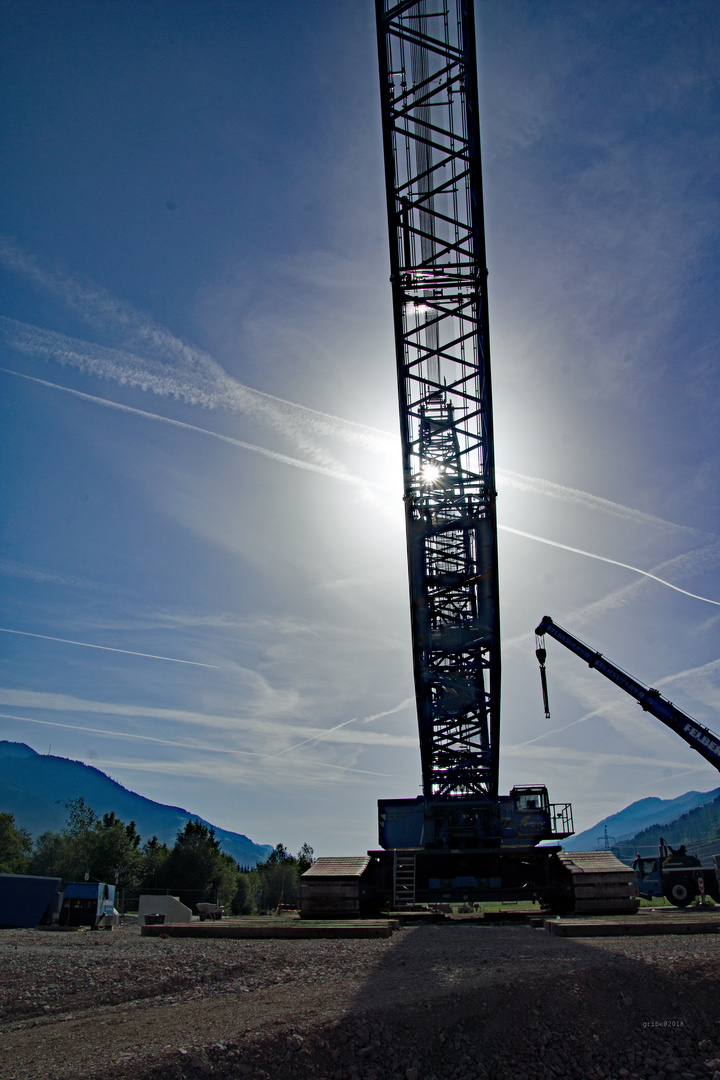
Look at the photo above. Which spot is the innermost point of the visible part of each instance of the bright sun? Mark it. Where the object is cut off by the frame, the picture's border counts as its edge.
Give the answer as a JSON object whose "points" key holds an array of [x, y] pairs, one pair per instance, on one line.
{"points": [[429, 473]]}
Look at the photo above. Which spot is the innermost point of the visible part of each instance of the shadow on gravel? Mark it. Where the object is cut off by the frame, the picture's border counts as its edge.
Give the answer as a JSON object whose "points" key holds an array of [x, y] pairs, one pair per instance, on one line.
{"points": [[470, 1002], [513, 1003]]}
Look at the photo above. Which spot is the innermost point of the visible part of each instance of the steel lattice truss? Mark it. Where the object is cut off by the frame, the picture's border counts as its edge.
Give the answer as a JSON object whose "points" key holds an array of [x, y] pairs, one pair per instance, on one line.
{"points": [[428, 86]]}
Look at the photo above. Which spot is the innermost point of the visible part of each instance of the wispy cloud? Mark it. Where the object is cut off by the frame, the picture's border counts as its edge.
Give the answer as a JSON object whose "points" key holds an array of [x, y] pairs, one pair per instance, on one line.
{"points": [[194, 377], [595, 761], [702, 683], [314, 773], [559, 730], [613, 708], [315, 738], [264, 706], [13, 568]]}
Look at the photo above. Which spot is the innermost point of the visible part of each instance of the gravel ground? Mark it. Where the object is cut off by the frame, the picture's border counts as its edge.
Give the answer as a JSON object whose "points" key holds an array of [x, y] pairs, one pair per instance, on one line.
{"points": [[457, 1001]]}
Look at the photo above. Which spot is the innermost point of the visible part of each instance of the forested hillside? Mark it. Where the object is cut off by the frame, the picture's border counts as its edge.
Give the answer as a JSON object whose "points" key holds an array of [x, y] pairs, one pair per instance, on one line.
{"points": [[195, 868], [699, 830]]}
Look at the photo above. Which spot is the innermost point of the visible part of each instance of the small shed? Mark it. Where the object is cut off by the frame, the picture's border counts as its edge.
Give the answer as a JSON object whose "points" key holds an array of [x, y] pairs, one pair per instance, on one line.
{"points": [[339, 887], [87, 903]]}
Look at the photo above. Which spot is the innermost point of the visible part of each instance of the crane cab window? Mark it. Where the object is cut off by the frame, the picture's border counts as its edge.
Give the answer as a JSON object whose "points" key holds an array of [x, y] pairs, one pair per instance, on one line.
{"points": [[530, 798], [645, 867]]}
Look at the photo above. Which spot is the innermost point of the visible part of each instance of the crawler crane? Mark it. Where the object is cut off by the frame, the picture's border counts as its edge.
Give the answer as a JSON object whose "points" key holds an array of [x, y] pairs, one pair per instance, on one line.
{"points": [[460, 840]]}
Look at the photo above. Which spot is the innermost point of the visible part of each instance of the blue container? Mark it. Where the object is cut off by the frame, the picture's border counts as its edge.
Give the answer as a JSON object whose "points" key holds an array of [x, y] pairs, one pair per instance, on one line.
{"points": [[24, 899]]}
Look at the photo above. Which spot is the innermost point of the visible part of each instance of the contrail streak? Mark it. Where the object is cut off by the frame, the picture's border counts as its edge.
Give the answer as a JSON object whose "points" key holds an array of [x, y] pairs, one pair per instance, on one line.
{"points": [[190, 385], [613, 562], [710, 668], [314, 738], [336, 474], [127, 735], [389, 712], [617, 598], [259, 723], [183, 746], [366, 720], [207, 385], [291, 419], [203, 381], [198, 378], [557, 730], [535, 485], [107, 648]]}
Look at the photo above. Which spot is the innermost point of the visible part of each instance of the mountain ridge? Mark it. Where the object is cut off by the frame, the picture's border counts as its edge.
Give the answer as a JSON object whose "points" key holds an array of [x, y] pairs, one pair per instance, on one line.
{"points": [[638, 816], [32, 785], [698, 830]]}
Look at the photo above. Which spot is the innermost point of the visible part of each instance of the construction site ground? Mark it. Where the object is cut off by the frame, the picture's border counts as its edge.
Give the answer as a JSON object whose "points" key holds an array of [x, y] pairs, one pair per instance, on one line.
{"points": [[462, 1000]]}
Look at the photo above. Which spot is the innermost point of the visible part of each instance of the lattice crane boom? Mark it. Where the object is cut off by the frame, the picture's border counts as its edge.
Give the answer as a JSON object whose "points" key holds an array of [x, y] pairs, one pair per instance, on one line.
{"points": [[428, 84]]}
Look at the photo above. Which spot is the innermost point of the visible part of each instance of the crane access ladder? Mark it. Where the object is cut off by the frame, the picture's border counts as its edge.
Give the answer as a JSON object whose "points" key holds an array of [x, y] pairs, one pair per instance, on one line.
{"points": [[403, 879]]}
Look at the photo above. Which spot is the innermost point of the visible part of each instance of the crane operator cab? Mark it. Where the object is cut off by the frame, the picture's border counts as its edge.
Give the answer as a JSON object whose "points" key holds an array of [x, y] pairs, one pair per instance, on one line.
{"points": [[528, 816], [518, 820]]}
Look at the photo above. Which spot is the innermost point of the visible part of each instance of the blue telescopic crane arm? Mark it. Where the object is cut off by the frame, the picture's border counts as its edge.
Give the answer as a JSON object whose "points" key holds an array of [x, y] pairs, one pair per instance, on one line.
{"points": [[704, 741]]}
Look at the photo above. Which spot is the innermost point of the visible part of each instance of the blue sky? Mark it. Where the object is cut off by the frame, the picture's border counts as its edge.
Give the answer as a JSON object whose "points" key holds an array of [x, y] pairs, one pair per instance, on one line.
{"points": [[204, 589]]}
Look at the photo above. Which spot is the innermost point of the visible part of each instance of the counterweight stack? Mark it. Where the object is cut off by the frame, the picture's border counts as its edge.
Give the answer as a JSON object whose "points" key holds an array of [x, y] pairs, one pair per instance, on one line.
{"points": [[439, 286]]}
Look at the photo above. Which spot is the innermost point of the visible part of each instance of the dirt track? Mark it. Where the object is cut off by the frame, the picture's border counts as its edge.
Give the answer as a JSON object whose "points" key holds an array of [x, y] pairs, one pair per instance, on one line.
{"points": [[461, 1001]]}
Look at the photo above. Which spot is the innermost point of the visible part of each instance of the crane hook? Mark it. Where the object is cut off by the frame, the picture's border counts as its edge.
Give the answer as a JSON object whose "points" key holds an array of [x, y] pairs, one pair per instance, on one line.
{"points": [[541, 653]]}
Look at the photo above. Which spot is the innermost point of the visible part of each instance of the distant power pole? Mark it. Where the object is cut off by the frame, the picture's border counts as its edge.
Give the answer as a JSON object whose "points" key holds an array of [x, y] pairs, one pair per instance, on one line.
{"points": [[606, 841]]}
